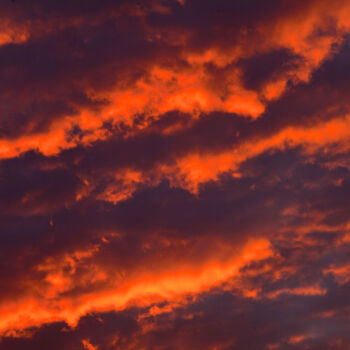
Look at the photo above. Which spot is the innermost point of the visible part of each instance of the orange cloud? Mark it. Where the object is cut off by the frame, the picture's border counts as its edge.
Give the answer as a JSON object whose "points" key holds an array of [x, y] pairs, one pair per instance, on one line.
{"points": [[297, 339], [305, 290], [88, 346], [197, 168], [189, 88], [195, 80], [341, 273], [143, 290]]}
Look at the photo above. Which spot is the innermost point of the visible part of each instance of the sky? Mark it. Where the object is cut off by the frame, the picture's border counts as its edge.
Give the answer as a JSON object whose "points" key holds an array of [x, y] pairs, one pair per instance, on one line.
{"points": [[174, 175]]}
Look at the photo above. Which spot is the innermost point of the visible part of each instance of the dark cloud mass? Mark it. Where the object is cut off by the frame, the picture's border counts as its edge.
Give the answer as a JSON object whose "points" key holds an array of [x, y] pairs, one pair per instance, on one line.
{"points": [[174, 174]]}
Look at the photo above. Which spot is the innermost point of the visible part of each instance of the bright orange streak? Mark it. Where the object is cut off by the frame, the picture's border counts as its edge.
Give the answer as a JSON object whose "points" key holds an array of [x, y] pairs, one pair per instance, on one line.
{"points": [[143, 290], [305, 290], [191, 89], [194, 169], [297, 339]]}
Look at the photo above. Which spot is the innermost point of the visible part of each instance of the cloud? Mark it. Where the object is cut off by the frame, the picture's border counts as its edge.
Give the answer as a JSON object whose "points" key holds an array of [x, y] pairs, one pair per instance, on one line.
{"points": [[174, 175]]}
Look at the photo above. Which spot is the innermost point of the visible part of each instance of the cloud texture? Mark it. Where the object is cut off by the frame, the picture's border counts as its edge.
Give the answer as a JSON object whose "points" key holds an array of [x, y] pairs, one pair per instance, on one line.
{"points": [[175, 175]]}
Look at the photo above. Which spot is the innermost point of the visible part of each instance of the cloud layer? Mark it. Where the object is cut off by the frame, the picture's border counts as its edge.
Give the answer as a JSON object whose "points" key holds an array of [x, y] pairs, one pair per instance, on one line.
{"points": [[174, 174]]}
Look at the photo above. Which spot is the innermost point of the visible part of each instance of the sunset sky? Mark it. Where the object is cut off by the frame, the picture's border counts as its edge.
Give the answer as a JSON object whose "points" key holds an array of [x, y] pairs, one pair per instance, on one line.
{"points": [[174, 175]]}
